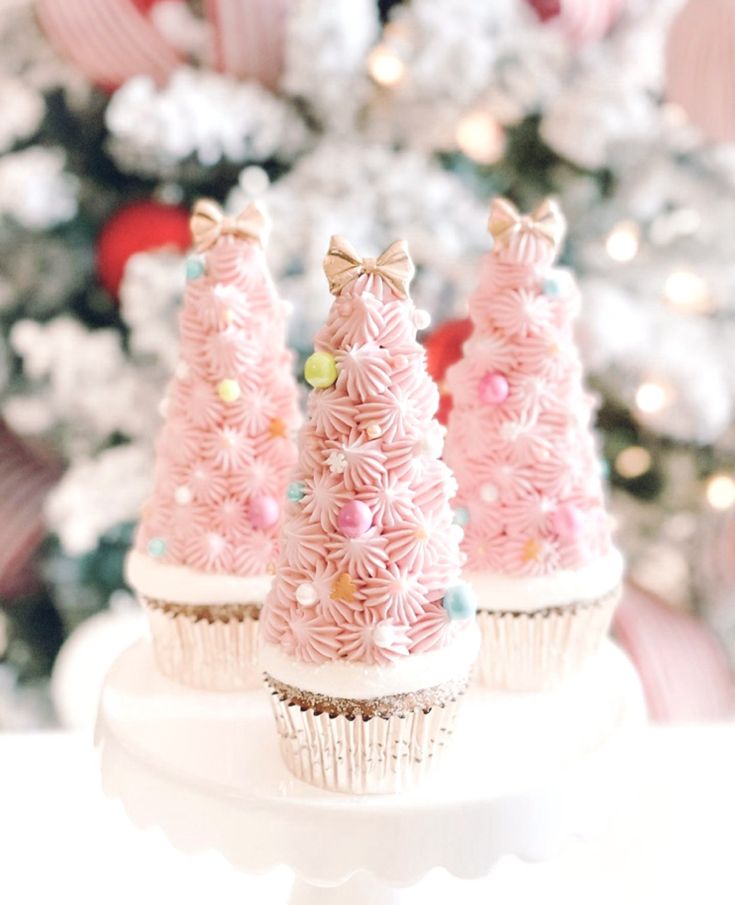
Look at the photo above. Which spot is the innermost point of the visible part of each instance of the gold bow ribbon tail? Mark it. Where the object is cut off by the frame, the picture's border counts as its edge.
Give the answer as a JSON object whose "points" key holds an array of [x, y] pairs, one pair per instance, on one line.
{"points": [[208, 223], [546, 222], [343, 265]]}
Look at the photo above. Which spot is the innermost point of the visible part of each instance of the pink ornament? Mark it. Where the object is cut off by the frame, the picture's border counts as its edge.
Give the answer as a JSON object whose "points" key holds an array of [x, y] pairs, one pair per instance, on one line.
{"points": [[493, 388], [354, 519], [568, 521], [264, 512]]}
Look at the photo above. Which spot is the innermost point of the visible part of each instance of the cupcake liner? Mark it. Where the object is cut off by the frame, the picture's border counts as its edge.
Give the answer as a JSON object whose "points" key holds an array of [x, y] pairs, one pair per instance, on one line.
{"points": [[538, 650], [342, 752], [212, 648]]}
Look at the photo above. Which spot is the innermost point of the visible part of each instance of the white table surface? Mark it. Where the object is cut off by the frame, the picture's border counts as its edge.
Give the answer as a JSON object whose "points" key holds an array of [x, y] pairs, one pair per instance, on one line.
{"points": [[61, 840]]}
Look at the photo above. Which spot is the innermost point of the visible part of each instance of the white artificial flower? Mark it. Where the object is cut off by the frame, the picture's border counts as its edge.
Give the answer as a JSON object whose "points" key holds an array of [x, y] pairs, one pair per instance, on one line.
{"points": [[326, 47], [199, 115], [35, 189], [150, 296], [96, 494], [591, 119], [88, 386], [23, 109]]}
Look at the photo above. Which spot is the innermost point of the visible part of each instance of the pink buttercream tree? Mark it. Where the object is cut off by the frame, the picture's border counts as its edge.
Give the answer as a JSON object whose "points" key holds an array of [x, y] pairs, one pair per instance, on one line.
{"points": [[519, 437], [370, 560], [224, 455]]}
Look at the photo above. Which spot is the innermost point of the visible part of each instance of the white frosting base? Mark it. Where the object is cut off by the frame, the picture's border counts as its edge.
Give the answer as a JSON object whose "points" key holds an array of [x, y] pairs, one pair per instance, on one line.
{"points": [[526, 594], [181, 584], [343, 679]]}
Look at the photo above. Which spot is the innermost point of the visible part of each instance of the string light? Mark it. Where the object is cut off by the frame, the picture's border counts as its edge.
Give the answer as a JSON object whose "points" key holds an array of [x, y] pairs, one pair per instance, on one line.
{"points": [[721, 492], [633, 462], [481, 137], [651, 397], [687, 291], [385, 66], [623, 241]]}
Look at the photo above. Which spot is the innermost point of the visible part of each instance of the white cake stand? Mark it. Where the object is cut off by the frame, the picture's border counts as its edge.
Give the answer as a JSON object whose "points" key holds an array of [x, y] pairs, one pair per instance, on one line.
{"points": [[525, 775]]}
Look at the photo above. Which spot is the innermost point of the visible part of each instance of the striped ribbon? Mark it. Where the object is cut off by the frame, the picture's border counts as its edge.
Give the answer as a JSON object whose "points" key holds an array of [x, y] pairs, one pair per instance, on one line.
{"points": [[25, 479], [249, 37], [109, 40], [683, 669], [112, 40]]}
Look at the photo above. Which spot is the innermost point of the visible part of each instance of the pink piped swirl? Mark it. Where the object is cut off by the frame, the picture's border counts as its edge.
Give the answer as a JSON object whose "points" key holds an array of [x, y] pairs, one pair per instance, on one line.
{"points": [[374, 598], [528, 472], [231, 418]]}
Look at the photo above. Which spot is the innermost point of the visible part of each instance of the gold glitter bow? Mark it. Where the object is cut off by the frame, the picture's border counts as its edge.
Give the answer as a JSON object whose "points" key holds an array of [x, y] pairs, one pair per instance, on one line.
{"points": [[208, 223], [343, 264], [547, 221]]}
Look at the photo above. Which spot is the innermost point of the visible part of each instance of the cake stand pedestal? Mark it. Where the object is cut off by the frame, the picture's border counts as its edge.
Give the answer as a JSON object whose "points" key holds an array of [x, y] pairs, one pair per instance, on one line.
{"points": [[525, 774]]}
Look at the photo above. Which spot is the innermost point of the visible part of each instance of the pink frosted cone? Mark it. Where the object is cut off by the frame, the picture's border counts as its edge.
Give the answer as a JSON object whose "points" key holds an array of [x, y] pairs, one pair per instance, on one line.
{"points": [[368, 634], [207, 542], [537, 536]]}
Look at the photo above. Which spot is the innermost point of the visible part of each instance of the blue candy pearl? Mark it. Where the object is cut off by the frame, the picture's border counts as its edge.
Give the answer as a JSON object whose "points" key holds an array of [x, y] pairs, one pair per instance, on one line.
{"points": [[461, 516], [459, 602], [295, 491], [194, 268], [157, 546]]}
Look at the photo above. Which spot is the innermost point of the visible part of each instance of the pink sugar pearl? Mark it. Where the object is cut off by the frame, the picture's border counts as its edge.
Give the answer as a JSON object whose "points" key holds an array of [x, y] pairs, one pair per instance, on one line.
{"points": [[493, 388], [568, 521], [264, 512], [354, 519]]}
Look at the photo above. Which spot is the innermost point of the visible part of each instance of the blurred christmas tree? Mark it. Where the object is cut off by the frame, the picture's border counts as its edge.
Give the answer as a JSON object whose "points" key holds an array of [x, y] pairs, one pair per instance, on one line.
{"points": [[384, 120]]}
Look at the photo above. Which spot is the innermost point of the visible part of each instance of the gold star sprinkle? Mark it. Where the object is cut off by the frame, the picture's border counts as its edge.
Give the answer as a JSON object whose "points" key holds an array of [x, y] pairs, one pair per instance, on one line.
{"points": [[277, 428], [531, 550], [343, 588]]}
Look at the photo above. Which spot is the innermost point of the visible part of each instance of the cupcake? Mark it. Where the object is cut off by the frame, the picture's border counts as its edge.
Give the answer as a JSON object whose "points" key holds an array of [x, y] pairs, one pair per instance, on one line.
{"points": [[207, 542], [368, 634], [537, 535]]}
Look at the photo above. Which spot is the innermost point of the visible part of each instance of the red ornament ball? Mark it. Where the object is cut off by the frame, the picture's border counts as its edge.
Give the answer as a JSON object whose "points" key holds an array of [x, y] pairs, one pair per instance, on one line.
{"points": [[443, 348], [546, 9], [139, 226]]}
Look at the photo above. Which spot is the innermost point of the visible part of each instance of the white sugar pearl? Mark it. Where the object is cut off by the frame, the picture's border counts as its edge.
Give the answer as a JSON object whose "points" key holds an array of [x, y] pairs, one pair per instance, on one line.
{"points": [[421, 319], [306, 594], [456, 532], [374, 430], [488, 493], [182, 495], [384, 634], [182, 370], [163, 407]]}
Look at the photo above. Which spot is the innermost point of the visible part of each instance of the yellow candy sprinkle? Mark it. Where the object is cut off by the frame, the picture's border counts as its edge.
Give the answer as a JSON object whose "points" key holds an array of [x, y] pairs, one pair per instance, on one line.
{"points": [[228, 390], [320, 370]]}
